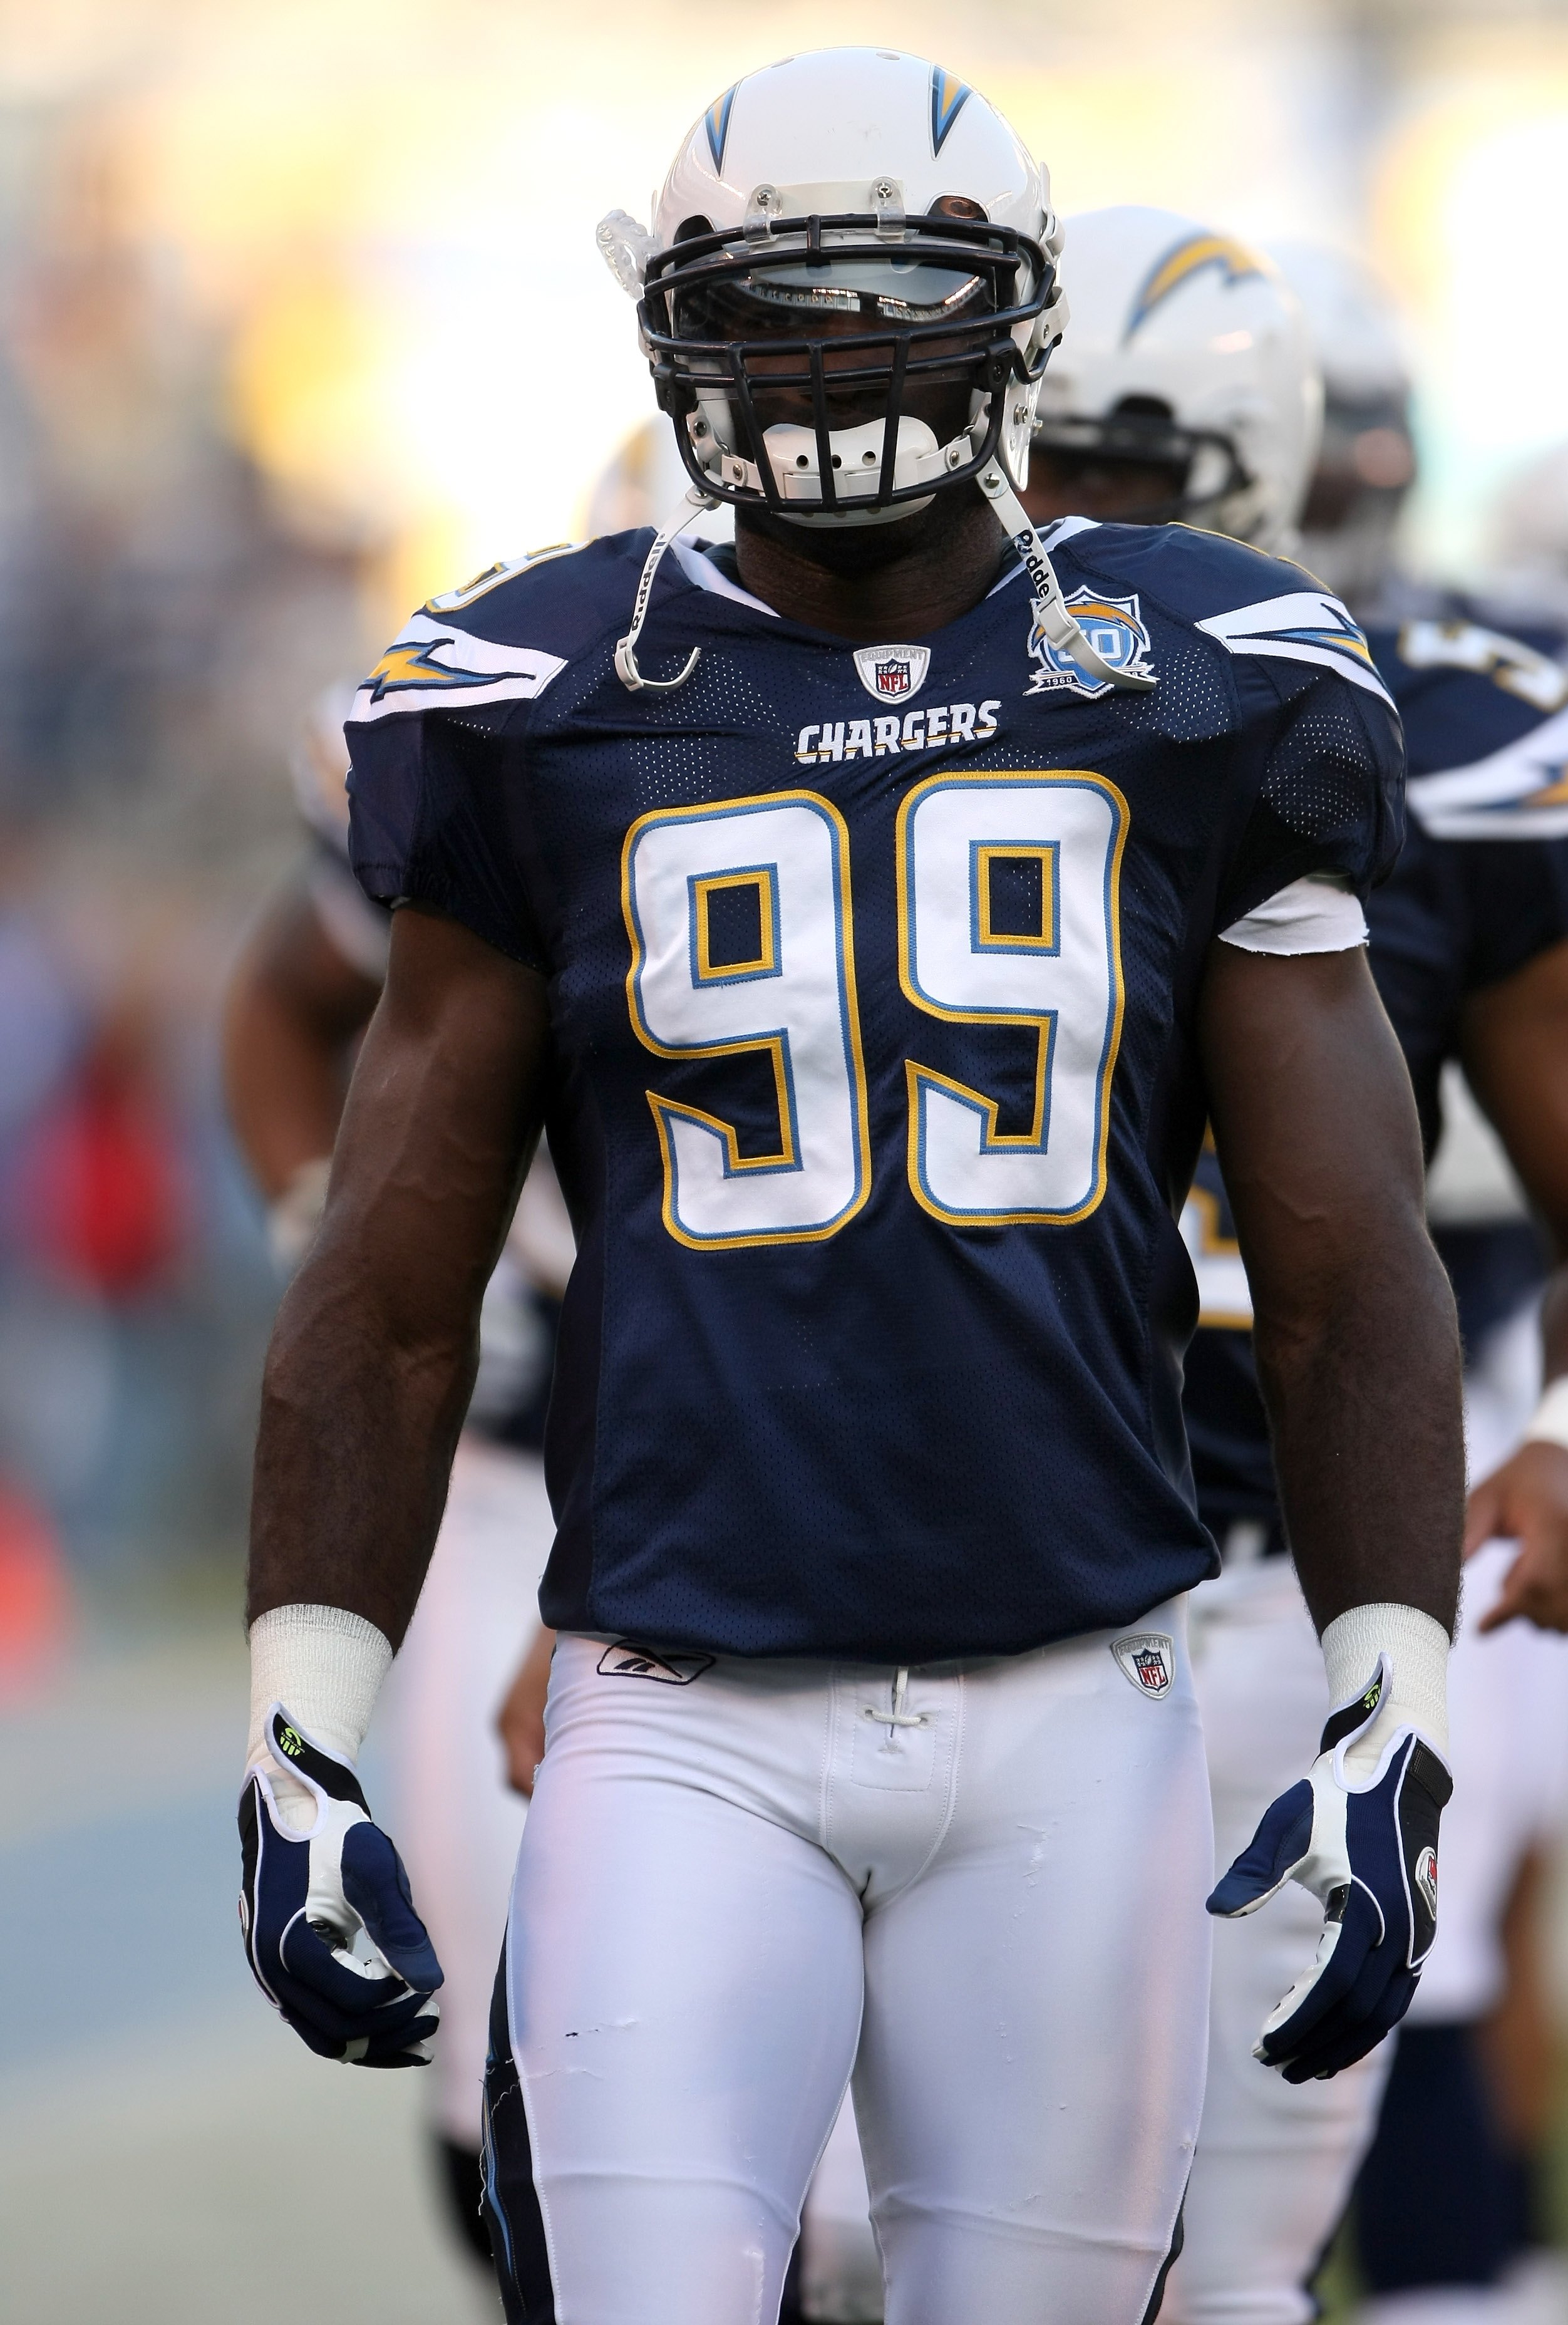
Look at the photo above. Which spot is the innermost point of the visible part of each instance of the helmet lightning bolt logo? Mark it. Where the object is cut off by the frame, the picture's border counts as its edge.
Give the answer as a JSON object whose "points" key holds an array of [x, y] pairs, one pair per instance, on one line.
{"points": [[716, 121], [1194, 256], [949, 95]]}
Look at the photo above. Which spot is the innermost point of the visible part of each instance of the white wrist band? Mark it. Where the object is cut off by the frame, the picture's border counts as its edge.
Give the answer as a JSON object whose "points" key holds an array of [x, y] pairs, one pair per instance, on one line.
{"points": [[326, 1666], [1549, 1422], [1416, 1647]]}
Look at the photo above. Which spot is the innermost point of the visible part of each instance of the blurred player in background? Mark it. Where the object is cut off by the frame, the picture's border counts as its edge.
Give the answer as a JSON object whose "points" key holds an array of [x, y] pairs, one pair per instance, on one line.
{"points": [[1165, 403], [1444, 2214], [1176, 396], [1527, 540], [301, 994]]}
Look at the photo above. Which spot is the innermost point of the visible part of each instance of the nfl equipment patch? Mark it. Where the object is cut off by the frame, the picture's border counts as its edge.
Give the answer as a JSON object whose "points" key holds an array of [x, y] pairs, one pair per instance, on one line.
{"points": [[1149, 1659], [892, 673], [1114, 627]]}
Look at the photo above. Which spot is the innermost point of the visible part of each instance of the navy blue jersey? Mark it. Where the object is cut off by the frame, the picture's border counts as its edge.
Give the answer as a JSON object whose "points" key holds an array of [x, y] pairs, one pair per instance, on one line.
{"points": [[1479, 890], [872, 975]]}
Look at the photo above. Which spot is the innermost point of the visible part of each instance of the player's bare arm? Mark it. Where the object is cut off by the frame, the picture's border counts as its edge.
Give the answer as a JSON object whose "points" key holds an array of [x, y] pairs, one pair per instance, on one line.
{"points": [[373, 1358], [1357, 1343], [519, 1722], [1514, 1042], [293, 1006], [369, 1375], [1358, 1358]]}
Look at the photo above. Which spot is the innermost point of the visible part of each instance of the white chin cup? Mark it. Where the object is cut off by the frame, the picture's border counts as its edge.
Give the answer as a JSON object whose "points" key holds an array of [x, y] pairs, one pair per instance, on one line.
{"points": [[857, 468]]}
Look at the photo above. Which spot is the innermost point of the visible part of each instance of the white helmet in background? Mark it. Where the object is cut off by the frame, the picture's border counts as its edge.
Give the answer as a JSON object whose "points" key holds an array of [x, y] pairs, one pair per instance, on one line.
{"points": [[644, 482], [1187, 351], [1367, 463], [1526, 535], [319, 764], [862, 206]]}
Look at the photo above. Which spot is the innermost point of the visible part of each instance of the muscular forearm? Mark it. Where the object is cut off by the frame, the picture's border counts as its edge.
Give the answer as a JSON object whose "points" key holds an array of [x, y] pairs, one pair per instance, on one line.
{"points": [[284, 1086], [293, 1010], [1357, 1342], [357, 1437], [1555, 1325], [1374, 1375]]}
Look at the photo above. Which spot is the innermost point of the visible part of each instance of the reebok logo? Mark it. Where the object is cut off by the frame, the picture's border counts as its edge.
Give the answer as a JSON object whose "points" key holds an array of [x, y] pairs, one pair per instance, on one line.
{"points": [[625, 1661]]}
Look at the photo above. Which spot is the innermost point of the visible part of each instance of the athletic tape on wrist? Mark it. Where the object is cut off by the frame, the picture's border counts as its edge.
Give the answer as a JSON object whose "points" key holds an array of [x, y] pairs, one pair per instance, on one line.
{"points": [[1549, 1422], [326, 1666], [1416, 1645]]}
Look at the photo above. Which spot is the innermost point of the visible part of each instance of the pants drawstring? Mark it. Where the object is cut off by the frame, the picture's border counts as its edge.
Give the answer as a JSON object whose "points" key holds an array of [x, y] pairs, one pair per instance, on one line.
{"points": [[897, 1717]]}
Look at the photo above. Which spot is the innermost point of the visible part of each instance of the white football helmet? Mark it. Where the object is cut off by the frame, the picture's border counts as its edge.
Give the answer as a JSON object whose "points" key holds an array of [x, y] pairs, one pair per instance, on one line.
{"points": [[1188, 351], [645, 482], [844, 188], [845, 237], [1526, 536], [1367, 461]]}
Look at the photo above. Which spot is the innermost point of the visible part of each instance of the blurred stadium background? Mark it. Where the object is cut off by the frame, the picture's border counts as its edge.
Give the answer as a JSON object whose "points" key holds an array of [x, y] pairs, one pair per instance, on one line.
{"points": [[294, 302]]}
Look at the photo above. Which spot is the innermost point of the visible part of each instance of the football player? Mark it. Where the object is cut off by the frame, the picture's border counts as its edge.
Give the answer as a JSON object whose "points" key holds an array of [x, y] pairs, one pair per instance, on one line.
{"points": [[874, 912], [1178, 394], [300, 995]]}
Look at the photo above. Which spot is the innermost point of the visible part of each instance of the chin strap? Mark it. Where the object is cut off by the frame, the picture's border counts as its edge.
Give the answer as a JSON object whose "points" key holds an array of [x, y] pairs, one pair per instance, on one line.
{"points": [[626, 669], [1050, 606]]}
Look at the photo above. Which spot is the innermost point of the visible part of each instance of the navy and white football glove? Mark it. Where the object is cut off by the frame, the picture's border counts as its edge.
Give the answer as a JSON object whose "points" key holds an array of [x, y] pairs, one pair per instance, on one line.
{"points": [[1368, 1851], [329, 1926]]}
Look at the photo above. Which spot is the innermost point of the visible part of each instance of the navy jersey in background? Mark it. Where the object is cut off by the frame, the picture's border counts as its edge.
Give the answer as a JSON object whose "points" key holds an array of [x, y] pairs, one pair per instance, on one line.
{"points": [[871, 976], [1480, 889]]}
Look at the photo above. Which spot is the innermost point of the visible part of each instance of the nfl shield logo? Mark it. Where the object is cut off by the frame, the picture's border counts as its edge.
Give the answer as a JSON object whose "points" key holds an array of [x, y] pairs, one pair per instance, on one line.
{"points": [[892, 673], [1148, 1660]]}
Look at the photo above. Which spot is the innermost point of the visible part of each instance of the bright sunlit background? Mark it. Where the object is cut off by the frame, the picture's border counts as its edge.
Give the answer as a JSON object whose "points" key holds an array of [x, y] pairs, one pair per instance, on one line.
{"points": [[301, 319]]}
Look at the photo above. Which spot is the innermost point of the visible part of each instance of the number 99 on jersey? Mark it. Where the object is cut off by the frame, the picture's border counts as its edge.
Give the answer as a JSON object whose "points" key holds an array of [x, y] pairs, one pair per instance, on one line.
{"points": [[742, 941]]}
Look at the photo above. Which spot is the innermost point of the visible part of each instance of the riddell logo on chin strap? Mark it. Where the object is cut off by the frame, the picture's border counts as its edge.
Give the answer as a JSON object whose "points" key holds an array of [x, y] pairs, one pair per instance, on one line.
{"points": [[934, 727]]}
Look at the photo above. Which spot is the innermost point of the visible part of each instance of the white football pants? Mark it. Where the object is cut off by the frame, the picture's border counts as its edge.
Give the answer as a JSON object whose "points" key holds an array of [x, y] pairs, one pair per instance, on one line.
{"points": [[1275, 2160], [982, 1890], [456, 1823]]}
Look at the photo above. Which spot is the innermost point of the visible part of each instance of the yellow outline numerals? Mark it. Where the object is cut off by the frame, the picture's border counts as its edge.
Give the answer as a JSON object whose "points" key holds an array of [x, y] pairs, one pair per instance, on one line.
{"points": [[794, 1002], [954, 965], [791, 999]]}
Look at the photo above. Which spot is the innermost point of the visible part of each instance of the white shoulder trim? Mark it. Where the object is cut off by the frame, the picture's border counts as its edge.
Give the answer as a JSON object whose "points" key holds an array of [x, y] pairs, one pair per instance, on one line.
{"points": [[1316, 915], [1302, 626], [1520, 793], [704, 574], [434, 665]]}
